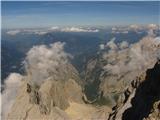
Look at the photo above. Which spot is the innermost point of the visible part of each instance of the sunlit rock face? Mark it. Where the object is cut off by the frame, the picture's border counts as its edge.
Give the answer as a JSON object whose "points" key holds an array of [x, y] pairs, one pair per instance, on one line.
{"points": [[47, 100]]}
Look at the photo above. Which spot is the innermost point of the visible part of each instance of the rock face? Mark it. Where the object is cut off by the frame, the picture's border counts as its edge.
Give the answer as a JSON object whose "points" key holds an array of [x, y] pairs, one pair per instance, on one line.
{"points": [[142, 101], [23, 108], [87, 112], [155, 112]]}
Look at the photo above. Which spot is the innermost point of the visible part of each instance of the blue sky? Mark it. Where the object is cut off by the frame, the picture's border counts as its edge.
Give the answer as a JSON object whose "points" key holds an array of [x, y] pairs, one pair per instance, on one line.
{"points": [[46, 14]]}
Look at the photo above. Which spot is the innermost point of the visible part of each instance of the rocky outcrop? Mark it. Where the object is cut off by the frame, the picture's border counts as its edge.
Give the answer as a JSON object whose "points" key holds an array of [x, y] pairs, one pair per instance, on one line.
{"points": [[49, 99], [87, 112], [155, 112], [141, 99], [26, 110]]}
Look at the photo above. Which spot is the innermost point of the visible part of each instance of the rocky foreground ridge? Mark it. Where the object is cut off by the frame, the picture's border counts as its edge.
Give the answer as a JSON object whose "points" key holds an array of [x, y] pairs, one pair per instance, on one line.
{"points": [[54, 100]]}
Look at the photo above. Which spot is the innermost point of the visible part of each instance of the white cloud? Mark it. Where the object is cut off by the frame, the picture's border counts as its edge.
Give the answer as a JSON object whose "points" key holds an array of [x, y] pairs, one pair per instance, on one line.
{"points": [[72, 29], [134, 27], [114, 28], [78, 29], [118, 30], [12, 84], [43, 31], [153, 26], [123, 45], [42, 61], [111, 44], [55, 28], [102, 46], [40, 32], [136, 57]]}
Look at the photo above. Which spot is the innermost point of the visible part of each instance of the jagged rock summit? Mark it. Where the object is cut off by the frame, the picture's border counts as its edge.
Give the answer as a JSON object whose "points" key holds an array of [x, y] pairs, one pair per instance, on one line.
{"points": [[48, 100]]}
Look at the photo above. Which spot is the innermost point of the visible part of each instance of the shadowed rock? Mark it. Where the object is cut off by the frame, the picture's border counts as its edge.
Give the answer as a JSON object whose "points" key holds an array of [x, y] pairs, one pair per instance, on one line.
{"points": [[146, 95]]}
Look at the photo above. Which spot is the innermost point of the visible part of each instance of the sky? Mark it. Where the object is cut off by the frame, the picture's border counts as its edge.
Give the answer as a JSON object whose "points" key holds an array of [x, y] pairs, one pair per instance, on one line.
{"points": [[32, 14]]}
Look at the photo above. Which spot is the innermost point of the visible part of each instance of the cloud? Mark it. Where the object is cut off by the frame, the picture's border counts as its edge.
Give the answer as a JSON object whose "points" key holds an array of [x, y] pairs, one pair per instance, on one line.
{"points": [[54, 28], [27, 31], [11, 85], [40, 32], [72, 29], [13, 32], [123, 58], [111, 44], [153, 26], [135, 28], [118, 30], [43, 31], [42, 61], [102, 46], [123, 45], [78, 29]]}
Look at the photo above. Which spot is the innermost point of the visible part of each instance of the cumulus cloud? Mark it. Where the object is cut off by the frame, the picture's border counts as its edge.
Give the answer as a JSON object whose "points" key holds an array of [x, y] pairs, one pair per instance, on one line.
{"points": [[9, 93], [132, 58], [113, 46], [42, 61]]}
